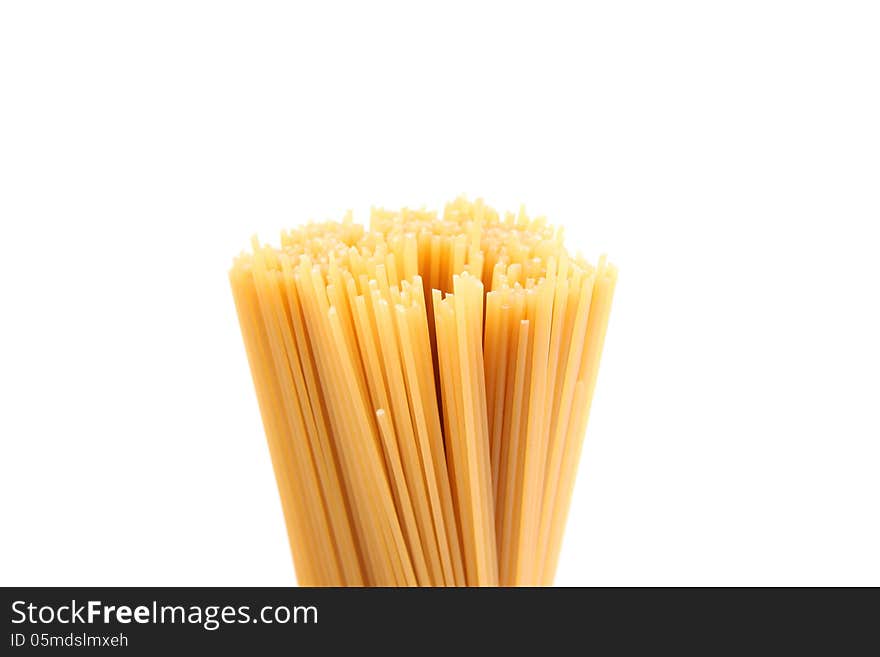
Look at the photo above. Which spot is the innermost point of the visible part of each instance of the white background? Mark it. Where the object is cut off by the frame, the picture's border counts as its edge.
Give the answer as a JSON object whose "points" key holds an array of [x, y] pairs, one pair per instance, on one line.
{"points": [[725, 154]]}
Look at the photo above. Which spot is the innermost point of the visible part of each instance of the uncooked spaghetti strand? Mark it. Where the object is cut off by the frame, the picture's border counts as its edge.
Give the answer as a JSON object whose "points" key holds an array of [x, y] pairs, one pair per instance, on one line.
{"points": [[451, 375], [474, 438], [339, 508], [497, 408], [372, 463], [417, 411], [317, 528], [562, 413], [429, 384], [349, 435], [597, 326], [511, 484], [406, 436], [389, 442], [268, 396]]}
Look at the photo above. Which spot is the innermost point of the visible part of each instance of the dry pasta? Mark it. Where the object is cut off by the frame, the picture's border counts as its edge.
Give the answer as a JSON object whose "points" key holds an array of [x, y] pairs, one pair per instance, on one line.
{"points": [[425, 386]]}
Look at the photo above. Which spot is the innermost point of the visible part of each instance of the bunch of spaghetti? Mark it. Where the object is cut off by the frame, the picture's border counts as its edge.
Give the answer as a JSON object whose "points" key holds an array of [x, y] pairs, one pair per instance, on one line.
{"points": [[424, 387]]}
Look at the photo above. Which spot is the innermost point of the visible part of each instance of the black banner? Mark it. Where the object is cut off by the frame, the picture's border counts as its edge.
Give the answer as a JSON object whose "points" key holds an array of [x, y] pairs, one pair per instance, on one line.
{"points": [[412, 621]]}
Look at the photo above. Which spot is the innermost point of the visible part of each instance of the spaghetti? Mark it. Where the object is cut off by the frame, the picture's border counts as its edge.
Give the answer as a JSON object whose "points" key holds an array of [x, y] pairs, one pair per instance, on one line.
{"points": [[424, 386]]}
